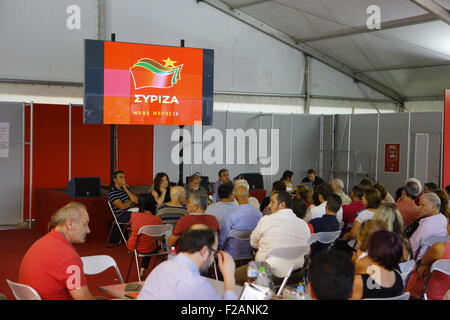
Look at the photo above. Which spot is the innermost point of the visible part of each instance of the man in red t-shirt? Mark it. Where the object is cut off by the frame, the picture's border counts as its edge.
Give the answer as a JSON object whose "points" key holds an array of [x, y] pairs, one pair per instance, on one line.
{"points": [[196, 206], [52, 266], [349, 211]]}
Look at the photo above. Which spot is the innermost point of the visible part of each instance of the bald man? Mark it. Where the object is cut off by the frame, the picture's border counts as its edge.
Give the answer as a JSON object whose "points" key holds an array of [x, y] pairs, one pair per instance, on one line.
{"points": [[244, 218], [172, 211], [52, 266]]}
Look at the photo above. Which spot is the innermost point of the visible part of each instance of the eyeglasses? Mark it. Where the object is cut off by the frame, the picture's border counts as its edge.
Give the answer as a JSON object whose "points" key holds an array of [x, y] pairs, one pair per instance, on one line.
{"points": [[214, 251]]}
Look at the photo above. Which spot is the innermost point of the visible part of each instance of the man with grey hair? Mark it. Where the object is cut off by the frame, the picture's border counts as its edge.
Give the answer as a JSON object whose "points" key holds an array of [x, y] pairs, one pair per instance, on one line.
{"points": [[338, 188], [196, 207], [52, 266], [407, 203], [433, 223], [252, 200]]}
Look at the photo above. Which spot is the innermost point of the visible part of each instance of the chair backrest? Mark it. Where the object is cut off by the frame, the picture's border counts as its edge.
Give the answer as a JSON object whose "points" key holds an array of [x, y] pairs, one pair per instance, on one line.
{"points": [[324, 237], [404, 296], [22, 291], [434, 239], [240, 234], [98, 264], [442, 265], [288, 253], [156, 231], [406, 269]]}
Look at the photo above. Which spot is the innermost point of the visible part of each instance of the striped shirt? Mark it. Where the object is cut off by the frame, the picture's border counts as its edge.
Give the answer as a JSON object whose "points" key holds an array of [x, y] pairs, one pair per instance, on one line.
{"points": [[119, 194], [170, 214]]}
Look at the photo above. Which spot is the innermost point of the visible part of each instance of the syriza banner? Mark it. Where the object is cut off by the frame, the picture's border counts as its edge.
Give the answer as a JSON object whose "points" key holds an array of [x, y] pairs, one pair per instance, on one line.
{"points": [[130, 83]]}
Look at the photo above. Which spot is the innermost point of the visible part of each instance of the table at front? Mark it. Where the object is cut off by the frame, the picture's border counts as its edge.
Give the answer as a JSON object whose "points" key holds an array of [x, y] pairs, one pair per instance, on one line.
{"points": [[118, 290]]}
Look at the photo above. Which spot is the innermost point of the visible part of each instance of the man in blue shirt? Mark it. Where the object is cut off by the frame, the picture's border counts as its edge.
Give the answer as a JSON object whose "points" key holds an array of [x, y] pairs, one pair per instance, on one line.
{"points": [[226, 204], [328, 222], [181, 279], [244, 218]]}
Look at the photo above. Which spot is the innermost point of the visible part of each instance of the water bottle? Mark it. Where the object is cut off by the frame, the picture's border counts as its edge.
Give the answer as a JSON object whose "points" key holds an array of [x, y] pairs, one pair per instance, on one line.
{"points": [[172, 254], [263, 279], [252, 272]]}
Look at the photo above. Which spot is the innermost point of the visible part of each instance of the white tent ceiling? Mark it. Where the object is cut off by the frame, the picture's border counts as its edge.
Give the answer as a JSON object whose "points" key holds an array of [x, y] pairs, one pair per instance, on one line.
{"points": [[410, 55]]}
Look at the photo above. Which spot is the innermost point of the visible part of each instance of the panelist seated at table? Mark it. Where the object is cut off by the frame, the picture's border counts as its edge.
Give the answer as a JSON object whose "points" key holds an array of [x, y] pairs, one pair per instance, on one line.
{"points": [[180, 278], [52, 266], [143, 243], [196, 206], [120, 197]]}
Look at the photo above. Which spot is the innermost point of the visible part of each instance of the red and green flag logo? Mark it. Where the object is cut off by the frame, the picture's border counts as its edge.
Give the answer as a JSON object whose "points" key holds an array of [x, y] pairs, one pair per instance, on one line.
{"points": [[148, 73]]}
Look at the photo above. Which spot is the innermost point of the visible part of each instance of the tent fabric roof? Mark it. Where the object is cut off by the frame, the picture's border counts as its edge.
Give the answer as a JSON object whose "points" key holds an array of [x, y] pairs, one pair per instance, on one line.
{"points": [[410, 54]]}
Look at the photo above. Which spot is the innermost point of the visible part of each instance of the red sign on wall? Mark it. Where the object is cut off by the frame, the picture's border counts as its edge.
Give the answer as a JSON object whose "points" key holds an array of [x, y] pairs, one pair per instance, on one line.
{"points": [[392, 157]]}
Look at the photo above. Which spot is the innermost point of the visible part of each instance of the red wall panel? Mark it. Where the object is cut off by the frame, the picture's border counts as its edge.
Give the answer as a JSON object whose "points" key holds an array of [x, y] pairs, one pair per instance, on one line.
{"points": [[50, 147], [90, 148], [136, 153]]}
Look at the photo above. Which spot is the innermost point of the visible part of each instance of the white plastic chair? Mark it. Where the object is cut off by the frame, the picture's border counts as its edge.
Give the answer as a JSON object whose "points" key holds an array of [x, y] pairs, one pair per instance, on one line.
{"points": [[157, 231], [324, 237], [243, 235], [428, 242], [98, 264], [404, 296], [22, 291], [288, 255], [405, 270], [442, 265], [119, 225]]}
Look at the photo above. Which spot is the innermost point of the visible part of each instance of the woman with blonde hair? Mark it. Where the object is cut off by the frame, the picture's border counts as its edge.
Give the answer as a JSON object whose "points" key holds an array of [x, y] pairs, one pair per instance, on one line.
{"points": [[390, 214], [360, 258]]}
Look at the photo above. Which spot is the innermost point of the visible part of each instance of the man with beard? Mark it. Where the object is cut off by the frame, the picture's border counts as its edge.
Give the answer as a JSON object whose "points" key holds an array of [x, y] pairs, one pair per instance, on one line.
{"points": [[181, 279]]}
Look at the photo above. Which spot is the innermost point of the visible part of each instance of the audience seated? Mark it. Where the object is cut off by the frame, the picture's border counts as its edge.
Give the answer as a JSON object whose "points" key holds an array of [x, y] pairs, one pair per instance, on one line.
{"points": [[313, 178], [438, 283], [224, 178], [287, 179], [160, 190], [419, 186], [321, 193], [196, 206], [305, 193], [180, 278], [253, 201], [368, 227], [225, 205], [407, 205], [276, 186], [338, 188], [399, 194], [385, 195], [350, 211], [382, 278], [244, 218], [120, 198], [193, 186], [390, 214], [430, 187], [367, 182], [170, 212], [52, 266], [331, 276], [433, 223], [372, 200], [281, 228], [299, 207]]}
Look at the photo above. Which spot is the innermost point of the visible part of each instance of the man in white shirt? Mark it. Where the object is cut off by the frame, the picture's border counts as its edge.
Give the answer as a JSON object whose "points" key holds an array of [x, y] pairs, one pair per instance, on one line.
{"points": [[322, 191], [434, 223], [281, 228]]}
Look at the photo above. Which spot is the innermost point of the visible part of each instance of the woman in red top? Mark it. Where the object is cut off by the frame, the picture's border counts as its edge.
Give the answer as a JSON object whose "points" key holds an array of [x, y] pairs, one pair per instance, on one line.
{"points": [[439, 282], [143, 243]]}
